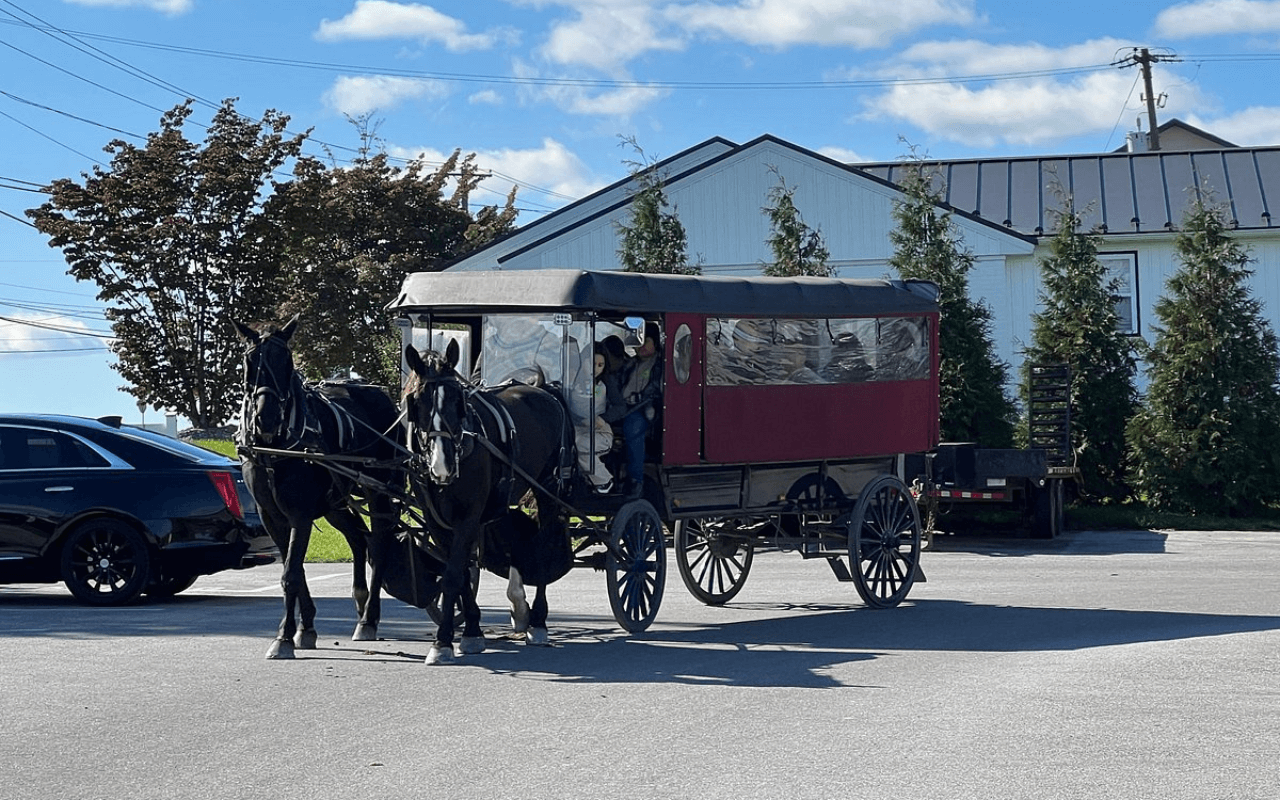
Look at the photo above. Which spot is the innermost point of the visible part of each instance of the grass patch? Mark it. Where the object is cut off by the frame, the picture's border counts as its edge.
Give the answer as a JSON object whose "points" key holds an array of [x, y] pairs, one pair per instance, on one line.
{"points": [[326, 545]]}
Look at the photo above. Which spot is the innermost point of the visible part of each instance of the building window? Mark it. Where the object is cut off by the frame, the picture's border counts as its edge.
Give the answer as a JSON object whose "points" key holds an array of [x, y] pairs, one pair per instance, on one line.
{"points": [[1122, 268]]}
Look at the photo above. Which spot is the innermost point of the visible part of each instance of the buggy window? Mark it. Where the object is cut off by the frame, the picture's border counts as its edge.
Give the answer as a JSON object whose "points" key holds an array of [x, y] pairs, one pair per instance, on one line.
{"points": [[769, 351], [518, 347]]}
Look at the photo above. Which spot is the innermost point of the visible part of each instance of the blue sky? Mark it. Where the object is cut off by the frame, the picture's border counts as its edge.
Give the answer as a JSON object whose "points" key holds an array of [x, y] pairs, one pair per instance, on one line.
{"points": [[542, 91]]}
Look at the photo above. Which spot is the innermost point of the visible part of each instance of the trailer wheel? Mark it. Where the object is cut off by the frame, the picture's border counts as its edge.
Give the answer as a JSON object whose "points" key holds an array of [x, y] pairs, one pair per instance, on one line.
{"points": [[636, 565], [1049, 512], [884, 542], [713, 559]]}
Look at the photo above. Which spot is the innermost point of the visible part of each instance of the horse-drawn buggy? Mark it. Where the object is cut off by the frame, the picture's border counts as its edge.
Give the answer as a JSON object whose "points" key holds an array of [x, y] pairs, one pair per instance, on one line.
{"points": [[772, 412]]}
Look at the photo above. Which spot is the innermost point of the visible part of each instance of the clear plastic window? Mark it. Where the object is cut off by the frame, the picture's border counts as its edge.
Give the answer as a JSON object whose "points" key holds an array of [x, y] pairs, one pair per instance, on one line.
{"points": [[682, 348], [767, 351]]}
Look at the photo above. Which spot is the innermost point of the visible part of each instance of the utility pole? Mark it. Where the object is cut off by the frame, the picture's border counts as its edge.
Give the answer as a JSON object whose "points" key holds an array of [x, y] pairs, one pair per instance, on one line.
{"points": [[1143, 57]]}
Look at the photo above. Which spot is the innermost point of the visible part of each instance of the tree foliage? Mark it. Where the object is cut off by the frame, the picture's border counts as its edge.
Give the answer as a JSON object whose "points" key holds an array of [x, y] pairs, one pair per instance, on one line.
{"points": [[170, 233], [1078, 326], [797, 248], [974, 406], [349, 236], [654, 240], [1208, 438]]}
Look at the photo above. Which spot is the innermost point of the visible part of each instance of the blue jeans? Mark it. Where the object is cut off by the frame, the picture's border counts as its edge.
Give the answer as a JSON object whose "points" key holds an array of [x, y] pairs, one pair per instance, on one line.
{"points": [[635, 426]]}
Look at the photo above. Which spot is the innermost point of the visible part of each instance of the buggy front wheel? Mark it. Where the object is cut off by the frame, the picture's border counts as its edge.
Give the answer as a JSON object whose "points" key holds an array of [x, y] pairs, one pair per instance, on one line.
{"points": [[636, 565], [884, 542]]}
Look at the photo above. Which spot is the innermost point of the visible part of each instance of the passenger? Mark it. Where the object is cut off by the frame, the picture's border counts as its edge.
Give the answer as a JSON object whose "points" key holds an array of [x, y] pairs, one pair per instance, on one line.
{"points": [[595, 433], [616, 362], [641, 390]]}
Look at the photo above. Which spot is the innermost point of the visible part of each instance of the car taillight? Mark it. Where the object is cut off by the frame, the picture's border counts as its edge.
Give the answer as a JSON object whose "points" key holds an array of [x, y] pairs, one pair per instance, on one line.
{"points": [[226, 486]]}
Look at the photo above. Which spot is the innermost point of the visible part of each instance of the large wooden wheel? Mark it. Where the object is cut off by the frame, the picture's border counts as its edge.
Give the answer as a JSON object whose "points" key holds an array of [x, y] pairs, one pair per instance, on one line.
{"points": [[884, 542], [636, 565], [713, 558]]}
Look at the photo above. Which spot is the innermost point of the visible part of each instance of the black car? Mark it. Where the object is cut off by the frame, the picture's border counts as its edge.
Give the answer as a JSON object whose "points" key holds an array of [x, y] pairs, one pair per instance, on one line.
{"points": [[115, 511]]}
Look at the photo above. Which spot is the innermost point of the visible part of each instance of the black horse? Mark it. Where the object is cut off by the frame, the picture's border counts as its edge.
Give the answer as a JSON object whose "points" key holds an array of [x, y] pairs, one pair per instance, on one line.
{"points": [[477, 449], [346, 419]]}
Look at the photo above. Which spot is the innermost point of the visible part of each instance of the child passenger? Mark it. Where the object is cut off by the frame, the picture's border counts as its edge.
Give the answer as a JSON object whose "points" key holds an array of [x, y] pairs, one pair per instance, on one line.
{"points": [[589, 462]]}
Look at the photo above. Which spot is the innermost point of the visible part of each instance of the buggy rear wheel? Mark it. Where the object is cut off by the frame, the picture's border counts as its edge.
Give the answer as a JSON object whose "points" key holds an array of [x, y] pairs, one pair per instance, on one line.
{"points": [[713, 559], [884, 542], [636, 565]]}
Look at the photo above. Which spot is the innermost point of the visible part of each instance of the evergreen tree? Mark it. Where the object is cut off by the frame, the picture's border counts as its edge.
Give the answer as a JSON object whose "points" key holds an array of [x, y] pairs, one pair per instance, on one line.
{"points": [[1208, 439], [1078, 327], [655, 239], [797, 248], [974, 406]]}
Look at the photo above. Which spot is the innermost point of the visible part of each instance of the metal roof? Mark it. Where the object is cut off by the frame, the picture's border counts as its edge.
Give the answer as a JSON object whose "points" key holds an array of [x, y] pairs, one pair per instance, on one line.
{"points": [[639, 293], [1114, 192]]}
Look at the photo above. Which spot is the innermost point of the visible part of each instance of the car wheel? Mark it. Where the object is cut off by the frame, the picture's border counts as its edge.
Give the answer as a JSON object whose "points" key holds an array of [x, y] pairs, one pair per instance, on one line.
{"points": [[106, 563], [170, 586]]}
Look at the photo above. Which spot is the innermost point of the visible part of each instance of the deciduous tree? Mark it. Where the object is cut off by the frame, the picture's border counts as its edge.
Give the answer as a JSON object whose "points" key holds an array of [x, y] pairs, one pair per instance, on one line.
{"points": [[170, 233], [349, 236]]}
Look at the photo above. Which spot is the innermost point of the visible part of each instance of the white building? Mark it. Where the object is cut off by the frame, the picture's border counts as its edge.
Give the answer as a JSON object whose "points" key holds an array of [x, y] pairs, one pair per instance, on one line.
{"points": [[1002, 207]]}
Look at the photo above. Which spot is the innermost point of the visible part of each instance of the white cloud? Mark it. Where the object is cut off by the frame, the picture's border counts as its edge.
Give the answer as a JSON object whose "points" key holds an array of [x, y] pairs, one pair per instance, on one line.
{"points": [[855, 23], [842, 154], [551, 167], [172, 7], [486, 97], [357, 95], [606, 35], [1213, 17], [1254, 127], [1033, 110], [582, 99], [45, 334], [382, 19]]}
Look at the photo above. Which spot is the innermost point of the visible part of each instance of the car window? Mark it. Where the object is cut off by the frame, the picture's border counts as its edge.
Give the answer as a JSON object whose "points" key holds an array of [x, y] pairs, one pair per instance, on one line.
{"points": [[35, 449], [176, 447]]}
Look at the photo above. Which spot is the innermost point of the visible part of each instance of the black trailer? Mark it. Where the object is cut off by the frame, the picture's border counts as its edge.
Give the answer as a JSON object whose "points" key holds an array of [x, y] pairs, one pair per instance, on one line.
{"points": [[1032, 479]]}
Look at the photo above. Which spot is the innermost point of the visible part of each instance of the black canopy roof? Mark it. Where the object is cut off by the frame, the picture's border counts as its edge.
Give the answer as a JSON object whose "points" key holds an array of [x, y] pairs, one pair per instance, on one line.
{"points": [[640, 293]]}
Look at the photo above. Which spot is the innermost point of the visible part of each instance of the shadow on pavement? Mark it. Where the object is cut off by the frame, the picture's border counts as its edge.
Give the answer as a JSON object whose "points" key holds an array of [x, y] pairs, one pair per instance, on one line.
{"points": [[1093, 543], [797, 646]]}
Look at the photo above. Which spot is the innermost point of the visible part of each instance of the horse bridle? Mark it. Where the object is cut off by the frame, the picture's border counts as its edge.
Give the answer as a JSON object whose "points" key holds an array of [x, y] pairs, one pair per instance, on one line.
{"points": [[440, 430], [285, 393]]}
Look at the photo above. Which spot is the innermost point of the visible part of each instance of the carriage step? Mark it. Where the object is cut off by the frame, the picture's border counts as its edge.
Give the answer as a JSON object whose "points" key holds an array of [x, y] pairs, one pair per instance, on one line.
{"points": [[837, 566]]}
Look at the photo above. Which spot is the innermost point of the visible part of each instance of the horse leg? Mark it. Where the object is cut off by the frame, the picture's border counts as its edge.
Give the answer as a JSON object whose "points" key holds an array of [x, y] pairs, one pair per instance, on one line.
{"points": [[452, 584], [537, 634], [516, 596], [299, 538], [278, 528], [472, 636], [293, 585], [357, 536]]}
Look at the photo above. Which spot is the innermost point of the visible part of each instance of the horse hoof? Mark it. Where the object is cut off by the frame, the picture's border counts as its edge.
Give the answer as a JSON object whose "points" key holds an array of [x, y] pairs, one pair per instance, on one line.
{"points": [[471, 645], [305, 640], [365, 633], [439, 655], [538, 637], [280, 649]]}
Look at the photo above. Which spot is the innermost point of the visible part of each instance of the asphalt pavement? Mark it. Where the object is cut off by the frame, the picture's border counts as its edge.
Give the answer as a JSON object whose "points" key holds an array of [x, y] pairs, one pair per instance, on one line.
{"points": [[1098, 665]]}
